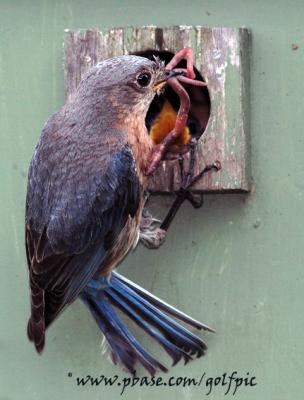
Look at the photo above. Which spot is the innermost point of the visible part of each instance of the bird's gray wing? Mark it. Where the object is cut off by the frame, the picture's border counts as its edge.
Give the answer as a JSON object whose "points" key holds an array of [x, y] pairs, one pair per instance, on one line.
{"points": [[72, 223]]}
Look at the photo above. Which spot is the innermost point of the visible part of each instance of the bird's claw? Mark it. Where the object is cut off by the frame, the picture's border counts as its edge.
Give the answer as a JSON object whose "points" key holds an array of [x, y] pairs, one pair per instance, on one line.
{"points": [[151, 235], [184, 193], [188, 181]]}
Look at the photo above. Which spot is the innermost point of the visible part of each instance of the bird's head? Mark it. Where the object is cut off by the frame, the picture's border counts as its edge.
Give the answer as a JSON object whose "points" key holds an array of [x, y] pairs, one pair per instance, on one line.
{"points": [[125, 84]]}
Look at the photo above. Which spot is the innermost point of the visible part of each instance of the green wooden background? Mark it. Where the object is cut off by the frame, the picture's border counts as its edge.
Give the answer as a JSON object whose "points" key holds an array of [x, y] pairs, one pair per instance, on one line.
{"points": [[237, 263]]}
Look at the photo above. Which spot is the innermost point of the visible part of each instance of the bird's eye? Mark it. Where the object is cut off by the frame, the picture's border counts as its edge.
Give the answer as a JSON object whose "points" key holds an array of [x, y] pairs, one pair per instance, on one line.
{"points": [[144, 79]]}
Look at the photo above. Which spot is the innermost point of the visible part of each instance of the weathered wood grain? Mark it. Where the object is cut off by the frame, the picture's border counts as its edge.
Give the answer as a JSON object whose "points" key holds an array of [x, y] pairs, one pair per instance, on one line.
{"points": [[222, 55]]}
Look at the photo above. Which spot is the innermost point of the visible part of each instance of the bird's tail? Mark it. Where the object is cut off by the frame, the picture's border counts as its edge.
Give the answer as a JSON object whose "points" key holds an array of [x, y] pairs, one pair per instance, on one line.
{"points": [[150, 313]]}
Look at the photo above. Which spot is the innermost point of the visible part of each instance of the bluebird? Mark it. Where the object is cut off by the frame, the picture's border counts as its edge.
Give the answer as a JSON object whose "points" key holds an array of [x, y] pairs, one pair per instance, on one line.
{"points": [[84, 211]]}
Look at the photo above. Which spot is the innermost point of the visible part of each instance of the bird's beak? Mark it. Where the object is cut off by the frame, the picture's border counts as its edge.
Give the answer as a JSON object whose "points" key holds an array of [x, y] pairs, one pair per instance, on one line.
{"points": [[160, 84]]}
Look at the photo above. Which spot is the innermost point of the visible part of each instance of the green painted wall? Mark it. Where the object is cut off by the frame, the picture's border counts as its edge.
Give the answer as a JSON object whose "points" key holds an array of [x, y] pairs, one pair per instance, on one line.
{"points": [[237, 263]]}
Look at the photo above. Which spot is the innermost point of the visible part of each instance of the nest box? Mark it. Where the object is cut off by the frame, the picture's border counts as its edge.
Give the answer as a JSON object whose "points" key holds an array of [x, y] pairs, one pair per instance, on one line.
{"points": [[222, 56]]}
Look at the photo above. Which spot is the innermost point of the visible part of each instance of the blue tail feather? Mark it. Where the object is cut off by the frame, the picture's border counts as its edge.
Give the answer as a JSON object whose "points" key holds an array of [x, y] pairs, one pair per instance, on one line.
{"points": [[162, 305], [147, 311], [119, 351], [174, 351], [162, 322], [144, 357], [167, 320]]}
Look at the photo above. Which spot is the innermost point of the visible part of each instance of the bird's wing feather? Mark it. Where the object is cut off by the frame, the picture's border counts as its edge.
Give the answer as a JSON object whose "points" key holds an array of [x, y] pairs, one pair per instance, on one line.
{"points": [[72, 223]]}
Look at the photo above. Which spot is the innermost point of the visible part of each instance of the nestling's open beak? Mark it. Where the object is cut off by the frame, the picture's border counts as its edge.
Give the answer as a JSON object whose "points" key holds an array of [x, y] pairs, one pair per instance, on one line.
{"points": [[159, 85]]}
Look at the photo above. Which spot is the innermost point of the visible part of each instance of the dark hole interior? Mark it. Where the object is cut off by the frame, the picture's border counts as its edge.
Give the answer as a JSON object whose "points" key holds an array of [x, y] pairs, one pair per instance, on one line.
{"points": [[199, 97]]}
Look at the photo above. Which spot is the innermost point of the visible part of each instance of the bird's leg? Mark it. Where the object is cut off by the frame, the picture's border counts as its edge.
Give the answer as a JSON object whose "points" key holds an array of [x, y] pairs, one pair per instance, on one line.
{"points": [[189, 181], [186, 178], [180, 197], [184, 193]]}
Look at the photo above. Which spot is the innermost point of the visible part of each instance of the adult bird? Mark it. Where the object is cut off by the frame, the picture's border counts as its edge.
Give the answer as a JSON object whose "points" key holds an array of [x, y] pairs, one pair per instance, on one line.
{"points": [[86, 193]]}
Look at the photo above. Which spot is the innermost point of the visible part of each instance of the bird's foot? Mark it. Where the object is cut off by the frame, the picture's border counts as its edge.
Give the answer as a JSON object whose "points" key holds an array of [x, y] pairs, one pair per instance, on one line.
{"points": [[150, 234], [185, 193], [188, 181]]}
